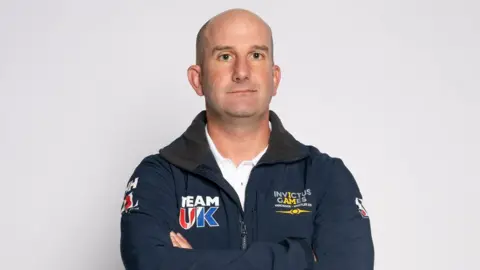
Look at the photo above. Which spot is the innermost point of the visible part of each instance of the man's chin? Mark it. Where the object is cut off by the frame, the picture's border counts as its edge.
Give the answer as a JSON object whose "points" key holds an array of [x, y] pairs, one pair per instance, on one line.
{"points": [[246, 113], [241, 113], [238, 112]]}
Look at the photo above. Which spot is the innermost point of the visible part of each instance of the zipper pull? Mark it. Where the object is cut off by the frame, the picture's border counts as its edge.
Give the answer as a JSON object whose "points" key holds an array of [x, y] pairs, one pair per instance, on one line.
{"points": [[243, 234]]}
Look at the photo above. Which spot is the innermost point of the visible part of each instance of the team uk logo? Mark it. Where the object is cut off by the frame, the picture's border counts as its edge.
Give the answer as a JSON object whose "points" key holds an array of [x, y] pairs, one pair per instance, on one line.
{"points": [[198, 211]]}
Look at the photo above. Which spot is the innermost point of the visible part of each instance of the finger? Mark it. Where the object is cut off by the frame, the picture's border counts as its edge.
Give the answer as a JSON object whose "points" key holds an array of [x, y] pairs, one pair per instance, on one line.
{"points": [[177, 241], [176, 244], [173, 238], [180, 237], [183, 242]]}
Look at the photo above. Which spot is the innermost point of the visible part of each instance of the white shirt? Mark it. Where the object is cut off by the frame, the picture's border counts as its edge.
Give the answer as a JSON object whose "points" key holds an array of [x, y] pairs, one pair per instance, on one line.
{"points": [[237, 177]]}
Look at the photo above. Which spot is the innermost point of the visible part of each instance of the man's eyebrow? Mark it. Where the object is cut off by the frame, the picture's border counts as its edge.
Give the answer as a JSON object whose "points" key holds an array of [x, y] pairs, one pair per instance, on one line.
{"points": [[223, 48], [261, 48]]}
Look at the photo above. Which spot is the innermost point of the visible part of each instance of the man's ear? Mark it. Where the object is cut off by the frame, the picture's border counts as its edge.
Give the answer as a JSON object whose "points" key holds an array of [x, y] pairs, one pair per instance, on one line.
{"points": [[277, 75], [194, 74]]}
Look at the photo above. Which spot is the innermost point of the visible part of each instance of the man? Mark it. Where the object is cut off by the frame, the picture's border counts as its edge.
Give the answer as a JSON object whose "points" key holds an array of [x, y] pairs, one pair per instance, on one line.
{"points": [[236, 190]]}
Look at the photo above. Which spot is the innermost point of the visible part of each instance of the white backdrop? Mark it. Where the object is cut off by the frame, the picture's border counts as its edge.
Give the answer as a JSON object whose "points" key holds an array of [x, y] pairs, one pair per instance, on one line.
{"points": [[89, 88]]}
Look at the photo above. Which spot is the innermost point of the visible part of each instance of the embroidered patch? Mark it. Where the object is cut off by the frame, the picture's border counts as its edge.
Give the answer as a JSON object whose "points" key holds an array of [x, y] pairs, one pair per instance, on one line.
{"points": [[128, 200], [293, 211], [198, 211], [292, 202], [361, 209]]}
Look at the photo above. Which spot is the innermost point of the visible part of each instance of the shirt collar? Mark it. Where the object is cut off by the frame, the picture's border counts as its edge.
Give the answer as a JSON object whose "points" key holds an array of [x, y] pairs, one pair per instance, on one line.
{"points": [[220, 159]]}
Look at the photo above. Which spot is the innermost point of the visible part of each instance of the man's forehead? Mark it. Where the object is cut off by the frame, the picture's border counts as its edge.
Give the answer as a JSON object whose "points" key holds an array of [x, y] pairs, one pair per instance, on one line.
{"points": [[234, 29], [238, 40]]}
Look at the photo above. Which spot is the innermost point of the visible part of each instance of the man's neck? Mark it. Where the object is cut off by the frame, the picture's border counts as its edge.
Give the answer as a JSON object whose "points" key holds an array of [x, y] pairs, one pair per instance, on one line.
{"points": [[239, 140]]}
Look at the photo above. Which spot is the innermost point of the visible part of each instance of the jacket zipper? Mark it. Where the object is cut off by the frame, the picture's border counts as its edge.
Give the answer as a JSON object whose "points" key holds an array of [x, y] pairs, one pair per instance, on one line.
{"points": [[243, 227], [243, 234]]}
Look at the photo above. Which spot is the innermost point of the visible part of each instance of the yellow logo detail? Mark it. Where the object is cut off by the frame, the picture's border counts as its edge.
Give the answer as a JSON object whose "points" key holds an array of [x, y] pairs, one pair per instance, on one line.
{"points": [[294, 211]]}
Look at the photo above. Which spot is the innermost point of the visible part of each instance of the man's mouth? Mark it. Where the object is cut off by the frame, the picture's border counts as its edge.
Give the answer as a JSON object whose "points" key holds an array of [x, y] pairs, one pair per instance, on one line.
{"points": [[241, 91]]}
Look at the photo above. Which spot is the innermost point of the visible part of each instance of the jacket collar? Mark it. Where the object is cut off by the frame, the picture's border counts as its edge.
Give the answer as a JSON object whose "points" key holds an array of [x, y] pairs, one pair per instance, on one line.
{"points": [[191, 149], [221, 159]]}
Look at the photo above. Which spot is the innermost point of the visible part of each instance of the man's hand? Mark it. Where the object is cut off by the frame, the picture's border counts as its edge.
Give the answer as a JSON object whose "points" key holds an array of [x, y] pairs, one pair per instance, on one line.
{"points": [[179, 241]]}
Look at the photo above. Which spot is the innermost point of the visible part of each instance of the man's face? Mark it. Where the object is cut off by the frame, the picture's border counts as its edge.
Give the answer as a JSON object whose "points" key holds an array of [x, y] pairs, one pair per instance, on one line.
{"points": [[238, 76]]}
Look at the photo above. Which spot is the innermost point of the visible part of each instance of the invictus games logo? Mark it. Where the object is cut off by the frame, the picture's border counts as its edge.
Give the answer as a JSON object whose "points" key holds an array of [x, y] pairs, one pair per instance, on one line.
{"points": [[293, 201]]}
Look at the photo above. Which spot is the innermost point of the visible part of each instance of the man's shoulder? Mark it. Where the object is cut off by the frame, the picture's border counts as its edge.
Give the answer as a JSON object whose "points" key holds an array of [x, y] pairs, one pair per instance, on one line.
{"points": [[318, 155], [154, 161], [323, 160]]}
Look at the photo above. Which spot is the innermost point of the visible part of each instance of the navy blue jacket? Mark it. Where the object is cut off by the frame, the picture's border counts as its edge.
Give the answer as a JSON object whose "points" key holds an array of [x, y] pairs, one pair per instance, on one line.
{"points": [[298, 202]]}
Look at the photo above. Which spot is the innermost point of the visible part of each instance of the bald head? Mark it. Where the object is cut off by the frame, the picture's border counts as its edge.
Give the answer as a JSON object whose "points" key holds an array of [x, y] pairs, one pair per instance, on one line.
{"points": [[228, 17]]}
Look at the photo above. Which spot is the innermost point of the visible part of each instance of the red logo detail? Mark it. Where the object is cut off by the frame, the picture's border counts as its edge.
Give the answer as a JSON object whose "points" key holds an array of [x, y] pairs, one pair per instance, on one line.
{"points": [[128, 201], [191, 218], [361, 208]]}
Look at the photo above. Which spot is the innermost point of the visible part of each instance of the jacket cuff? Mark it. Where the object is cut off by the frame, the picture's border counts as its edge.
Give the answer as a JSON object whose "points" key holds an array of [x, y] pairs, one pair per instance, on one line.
{"points": [[305, 247], [308, 253]]}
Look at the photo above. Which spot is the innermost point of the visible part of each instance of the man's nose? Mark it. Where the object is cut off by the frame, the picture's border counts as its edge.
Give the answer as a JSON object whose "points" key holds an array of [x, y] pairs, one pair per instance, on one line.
{"points": [[241, 70]]}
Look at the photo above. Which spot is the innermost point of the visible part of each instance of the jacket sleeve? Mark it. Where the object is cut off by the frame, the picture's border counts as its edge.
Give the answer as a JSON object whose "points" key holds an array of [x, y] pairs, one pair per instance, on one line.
{"points": [[342, 237], [148, 214]]}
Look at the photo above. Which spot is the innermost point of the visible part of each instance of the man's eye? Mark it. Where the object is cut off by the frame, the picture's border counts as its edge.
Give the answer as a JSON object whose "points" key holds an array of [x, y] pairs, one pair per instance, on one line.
{"points": [[257, 55], [225, 57]]}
